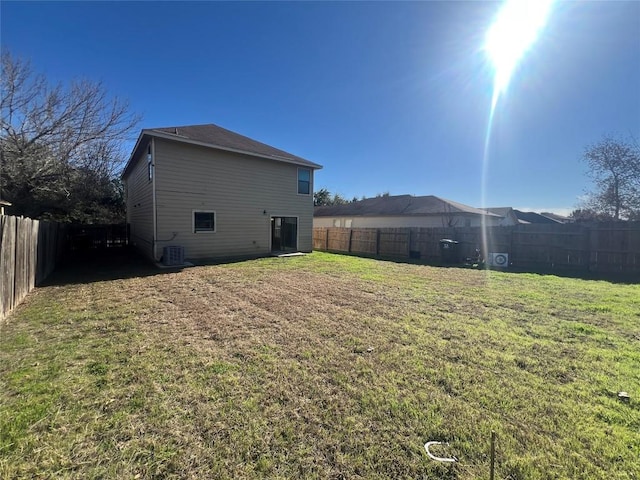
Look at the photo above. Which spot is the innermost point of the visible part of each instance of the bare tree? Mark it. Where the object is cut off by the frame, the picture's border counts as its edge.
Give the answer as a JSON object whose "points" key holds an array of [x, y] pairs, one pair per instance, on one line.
{"points": [[61, 148], [449, 219], [614, 166]]}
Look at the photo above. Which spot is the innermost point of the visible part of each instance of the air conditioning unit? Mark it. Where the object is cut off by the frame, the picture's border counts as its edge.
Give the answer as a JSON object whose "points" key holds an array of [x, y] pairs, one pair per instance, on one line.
{"points": [[173, 255], [498, 260]]}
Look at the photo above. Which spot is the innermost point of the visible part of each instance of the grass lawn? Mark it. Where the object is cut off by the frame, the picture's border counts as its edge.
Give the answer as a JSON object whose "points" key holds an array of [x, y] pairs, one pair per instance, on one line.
{"points": [[322, 366]]}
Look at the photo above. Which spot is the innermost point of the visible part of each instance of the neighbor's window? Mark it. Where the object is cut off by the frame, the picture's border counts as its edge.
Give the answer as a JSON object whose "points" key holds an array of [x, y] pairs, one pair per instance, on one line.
{"points": [[348, 222], [304, 181], [149, 163], [336, 222], [204, 221]]}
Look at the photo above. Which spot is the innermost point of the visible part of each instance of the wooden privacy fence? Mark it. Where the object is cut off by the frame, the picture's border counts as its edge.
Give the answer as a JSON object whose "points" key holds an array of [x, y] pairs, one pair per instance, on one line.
{"points": [[96, 237], [604, 247], [29, 250]]}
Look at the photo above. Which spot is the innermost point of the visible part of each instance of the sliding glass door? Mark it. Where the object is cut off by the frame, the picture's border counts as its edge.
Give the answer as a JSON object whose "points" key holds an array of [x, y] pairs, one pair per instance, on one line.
{"points": [[284, 234]]}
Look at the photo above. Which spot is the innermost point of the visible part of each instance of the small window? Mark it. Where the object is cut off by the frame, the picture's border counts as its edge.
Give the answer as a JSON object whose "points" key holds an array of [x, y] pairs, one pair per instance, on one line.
{"points": [[149, 163], [348, 222], [304, 181], [336, 222], [204, 221]]}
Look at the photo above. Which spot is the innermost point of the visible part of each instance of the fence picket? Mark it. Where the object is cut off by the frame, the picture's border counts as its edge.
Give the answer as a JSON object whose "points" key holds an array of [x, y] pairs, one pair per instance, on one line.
{"points": [[29, 250]]}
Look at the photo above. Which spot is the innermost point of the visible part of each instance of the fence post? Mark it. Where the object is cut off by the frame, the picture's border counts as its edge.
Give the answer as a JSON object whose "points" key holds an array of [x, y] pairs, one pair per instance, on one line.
{"points": [[511, 243], [16, 267], [377, 242], [593, 262], [350, 238], [326, 240]]}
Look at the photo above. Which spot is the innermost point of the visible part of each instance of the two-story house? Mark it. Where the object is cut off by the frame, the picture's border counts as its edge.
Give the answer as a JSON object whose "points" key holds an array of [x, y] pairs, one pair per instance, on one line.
{"points": [[216, 194]]}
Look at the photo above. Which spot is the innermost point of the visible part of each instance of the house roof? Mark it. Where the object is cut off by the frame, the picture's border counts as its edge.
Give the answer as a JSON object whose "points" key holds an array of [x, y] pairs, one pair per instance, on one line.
{"points": [[526, 217], [533, 217], [398, 205], [501, 211], [555, 216], [213, 136]]}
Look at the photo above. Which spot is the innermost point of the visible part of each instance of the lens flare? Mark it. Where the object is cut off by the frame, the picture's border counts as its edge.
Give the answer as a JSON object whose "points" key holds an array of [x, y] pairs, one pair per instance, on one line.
{"points": [[515, 29]]}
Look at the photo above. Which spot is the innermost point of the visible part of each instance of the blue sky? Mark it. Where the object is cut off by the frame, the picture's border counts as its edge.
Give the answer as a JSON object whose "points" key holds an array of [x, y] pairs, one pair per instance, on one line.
{"points": [[387, 96]]}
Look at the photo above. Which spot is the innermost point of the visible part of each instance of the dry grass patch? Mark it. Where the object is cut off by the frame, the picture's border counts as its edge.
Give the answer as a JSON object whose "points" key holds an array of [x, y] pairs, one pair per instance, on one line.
{"points": [[322, 366]]}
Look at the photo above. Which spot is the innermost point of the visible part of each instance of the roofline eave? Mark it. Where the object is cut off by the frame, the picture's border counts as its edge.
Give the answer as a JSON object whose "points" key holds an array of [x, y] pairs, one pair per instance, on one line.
{"points": [[437, 214], [133, 154], [178, 138]]}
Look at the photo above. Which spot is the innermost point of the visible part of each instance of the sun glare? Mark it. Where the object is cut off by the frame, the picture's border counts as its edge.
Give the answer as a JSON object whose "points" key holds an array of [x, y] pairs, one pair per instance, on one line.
{"points": [[515, 29]]}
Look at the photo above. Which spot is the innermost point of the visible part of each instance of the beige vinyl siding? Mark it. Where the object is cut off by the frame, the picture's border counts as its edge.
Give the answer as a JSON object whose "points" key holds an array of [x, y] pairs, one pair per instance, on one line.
{"points": [[244, 191], [418, 221], [139, 196]]}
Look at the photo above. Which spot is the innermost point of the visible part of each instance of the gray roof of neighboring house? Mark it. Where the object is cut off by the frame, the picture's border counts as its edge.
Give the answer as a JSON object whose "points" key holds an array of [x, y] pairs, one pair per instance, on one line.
{"points": [[555, 216], [502, 211], [213, 136], [532, 217], [525, 217], [398, 205]]}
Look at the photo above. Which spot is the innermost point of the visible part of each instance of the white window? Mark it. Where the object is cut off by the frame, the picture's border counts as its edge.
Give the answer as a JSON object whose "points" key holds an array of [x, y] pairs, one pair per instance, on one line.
{"points": [[149, 162], [348, 222], [304, 181], [204, 221], [336, 222]]}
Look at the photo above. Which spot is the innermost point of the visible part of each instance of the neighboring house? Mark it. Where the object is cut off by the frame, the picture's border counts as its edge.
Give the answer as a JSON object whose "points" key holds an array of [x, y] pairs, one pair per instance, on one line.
{"points": [[508, 214], [3, 203], [557, 218], [403, 211], [533, 217], [216, 194], [512, 216]]}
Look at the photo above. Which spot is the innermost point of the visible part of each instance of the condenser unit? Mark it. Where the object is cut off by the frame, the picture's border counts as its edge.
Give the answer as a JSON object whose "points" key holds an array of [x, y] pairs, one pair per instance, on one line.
{"points": [[173, 255], [498, 260]]}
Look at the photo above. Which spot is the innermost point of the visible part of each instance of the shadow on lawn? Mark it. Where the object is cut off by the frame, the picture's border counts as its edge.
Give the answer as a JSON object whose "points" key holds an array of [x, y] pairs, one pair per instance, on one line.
{"points": [[102, 265], [99, 265]]}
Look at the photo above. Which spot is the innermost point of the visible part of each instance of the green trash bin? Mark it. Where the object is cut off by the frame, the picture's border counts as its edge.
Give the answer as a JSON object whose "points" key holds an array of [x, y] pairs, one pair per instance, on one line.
{"points": [[449, 251]]}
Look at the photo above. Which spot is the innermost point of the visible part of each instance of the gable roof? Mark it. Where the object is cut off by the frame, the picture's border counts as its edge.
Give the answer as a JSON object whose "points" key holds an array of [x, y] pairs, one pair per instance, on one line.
{"points": [[398, 205], [213, 136]]}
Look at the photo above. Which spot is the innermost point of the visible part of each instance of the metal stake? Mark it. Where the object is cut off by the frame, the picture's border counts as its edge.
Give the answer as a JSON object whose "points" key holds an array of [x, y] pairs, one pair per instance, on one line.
{"points": [[493, 455]]}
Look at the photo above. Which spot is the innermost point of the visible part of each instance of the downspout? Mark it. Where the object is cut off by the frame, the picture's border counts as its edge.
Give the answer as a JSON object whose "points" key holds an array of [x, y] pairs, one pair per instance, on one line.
{"points": [[153, 190]]}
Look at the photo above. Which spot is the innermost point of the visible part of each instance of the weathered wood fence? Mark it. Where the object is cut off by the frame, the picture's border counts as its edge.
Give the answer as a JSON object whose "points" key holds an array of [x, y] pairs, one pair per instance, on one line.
{"points": [[605, 247], [29, 250]]}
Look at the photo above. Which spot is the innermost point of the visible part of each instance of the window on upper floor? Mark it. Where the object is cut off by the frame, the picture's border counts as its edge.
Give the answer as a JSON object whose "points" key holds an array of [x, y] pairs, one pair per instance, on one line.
{"points": [[304, 181], [204, 221], [149, 162]]}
